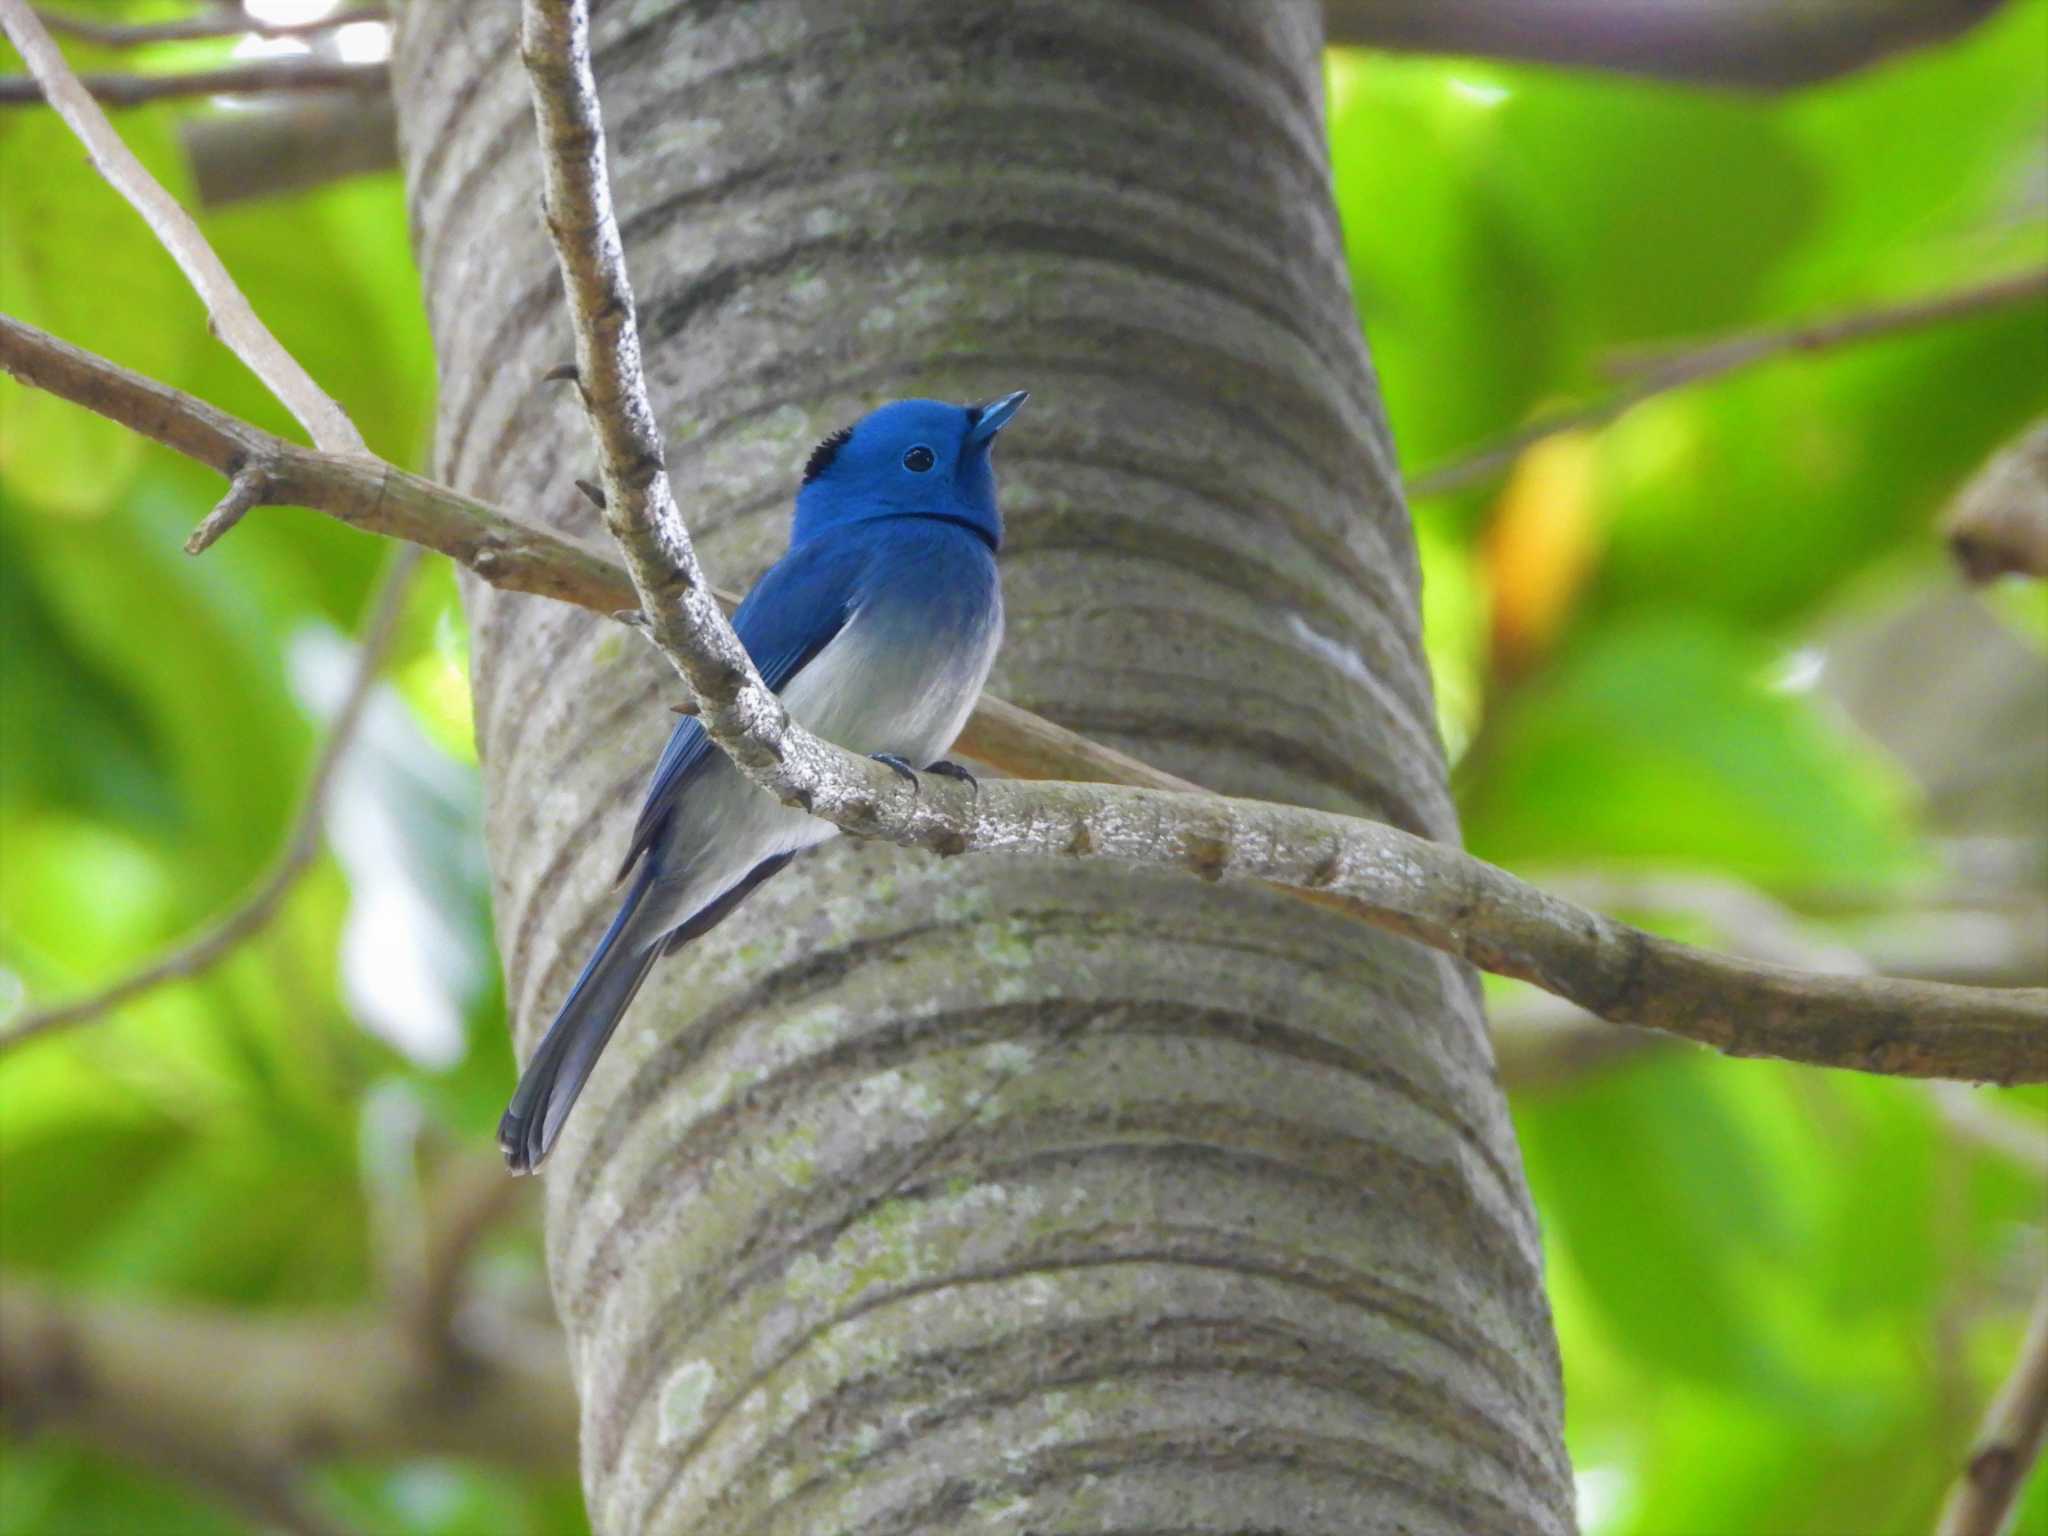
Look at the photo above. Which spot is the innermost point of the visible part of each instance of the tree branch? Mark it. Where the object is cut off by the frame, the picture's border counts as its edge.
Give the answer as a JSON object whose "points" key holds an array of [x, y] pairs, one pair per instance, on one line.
{"points": [[2008, 1442], [288, 145], [196, 956], [1754, 44], [233, 320], [382, 499], [1731, 355], [221, 23], [639, 503], [1424, 890], [214, 1393], [258, 77], [359, 490]]}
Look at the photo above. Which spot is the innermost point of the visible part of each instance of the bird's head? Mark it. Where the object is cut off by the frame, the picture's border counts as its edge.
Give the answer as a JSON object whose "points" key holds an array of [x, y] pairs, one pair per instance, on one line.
{"points": [[912, 458]]}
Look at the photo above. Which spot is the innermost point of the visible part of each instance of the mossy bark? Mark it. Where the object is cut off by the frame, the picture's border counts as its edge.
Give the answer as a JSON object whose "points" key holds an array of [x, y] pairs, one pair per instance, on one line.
{"points": [[990, 1194]]}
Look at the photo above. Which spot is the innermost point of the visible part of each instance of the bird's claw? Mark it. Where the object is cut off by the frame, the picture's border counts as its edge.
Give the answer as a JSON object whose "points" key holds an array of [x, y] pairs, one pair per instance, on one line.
{"points": [[891, 761], [946, 768]]}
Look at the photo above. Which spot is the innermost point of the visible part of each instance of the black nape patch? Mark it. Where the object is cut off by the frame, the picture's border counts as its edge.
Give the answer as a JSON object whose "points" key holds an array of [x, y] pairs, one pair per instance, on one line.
{"points": [[822, 456]]}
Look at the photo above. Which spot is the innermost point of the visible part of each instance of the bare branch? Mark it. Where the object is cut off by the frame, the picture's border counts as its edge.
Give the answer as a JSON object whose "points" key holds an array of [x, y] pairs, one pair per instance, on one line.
{"points": [[198, 955], [1754, 44], [1998, 525], [2008, 1442], [225, 23], [233, 320], [255, 1396], [288, 145], [511, 555], [1731, 355], [258, 77], [639, 502]]}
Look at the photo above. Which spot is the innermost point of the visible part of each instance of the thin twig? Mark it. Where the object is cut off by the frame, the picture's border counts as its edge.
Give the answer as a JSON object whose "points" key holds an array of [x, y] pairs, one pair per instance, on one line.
{"points": [[198, 955], [2008, 1441], [1727, 356], [259, 77], [1709, 1006], [244, 491], [229, 23], [639, 504], [233, 320], [1424, 890]]}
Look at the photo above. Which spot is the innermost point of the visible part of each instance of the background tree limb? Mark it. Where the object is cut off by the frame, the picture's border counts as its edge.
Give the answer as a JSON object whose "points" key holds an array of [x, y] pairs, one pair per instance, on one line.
{"points": [[1731, 354], [258, 77], [1753, 44], [219, 22], [2009, 1441], [190, 1387]]}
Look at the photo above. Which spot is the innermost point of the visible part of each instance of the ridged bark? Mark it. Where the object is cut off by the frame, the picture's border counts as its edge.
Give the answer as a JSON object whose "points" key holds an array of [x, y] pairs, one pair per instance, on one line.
{"points": [[996, 1195]]}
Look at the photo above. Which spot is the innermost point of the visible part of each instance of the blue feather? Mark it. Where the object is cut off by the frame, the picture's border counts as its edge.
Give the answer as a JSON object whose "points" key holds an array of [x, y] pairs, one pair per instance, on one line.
{"points": [[877, 628]]}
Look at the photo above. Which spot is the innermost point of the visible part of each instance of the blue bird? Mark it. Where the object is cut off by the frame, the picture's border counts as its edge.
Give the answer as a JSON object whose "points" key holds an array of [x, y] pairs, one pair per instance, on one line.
{"points": [[877, 629]]}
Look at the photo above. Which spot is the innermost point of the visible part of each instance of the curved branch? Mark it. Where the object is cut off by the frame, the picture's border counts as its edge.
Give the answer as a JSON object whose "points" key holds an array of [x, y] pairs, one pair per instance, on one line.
{"points": [[197, 955], [1731, 355], [2008, 1442], [204, 1389], [260, 77], [230, 23], [288, 145], [1427, 891], [233, 319], [1753, 44]]}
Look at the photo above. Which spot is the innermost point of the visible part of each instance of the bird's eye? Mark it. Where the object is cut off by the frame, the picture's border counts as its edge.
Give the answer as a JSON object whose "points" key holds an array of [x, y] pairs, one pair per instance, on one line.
{"points": [[919, 459]]}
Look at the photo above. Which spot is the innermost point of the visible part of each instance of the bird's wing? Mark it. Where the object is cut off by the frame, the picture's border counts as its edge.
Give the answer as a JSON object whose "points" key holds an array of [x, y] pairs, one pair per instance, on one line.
{"points": [[792, 613]]}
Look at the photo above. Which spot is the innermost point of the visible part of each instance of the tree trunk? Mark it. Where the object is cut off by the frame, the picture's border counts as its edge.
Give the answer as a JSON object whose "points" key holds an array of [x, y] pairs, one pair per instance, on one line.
{"points": [[979, 1194]]}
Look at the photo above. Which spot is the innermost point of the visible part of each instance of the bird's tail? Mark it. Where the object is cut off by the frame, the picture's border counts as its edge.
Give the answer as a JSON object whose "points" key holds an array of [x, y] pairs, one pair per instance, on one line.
{"points": [[555, 1076]]}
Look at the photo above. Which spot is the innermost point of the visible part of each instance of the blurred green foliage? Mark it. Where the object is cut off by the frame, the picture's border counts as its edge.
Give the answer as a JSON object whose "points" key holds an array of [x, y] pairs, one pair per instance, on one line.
{"points": [[1783, 1295]]}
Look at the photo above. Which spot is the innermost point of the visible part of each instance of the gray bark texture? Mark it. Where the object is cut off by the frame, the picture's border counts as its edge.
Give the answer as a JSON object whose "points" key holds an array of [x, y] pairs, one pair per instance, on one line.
{"points": [[993, 1194]]}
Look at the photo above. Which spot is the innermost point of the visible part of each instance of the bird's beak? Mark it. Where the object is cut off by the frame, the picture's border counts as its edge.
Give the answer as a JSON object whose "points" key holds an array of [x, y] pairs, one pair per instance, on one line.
{"points": [[990, 418]]}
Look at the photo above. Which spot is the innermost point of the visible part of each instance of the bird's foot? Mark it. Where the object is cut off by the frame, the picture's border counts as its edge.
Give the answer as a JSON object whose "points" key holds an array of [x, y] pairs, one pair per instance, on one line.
{"points": [[892, 761], [946, 768]]}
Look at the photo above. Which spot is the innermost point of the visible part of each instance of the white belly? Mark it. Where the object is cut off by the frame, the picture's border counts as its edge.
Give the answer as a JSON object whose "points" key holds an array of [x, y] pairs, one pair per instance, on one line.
{"points": [[878, 687]]}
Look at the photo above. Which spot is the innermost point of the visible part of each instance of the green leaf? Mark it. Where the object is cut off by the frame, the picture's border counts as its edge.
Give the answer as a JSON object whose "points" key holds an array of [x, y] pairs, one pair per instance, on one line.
{"points": [[1660, 1200], [76, 260], [1656, 741]]}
